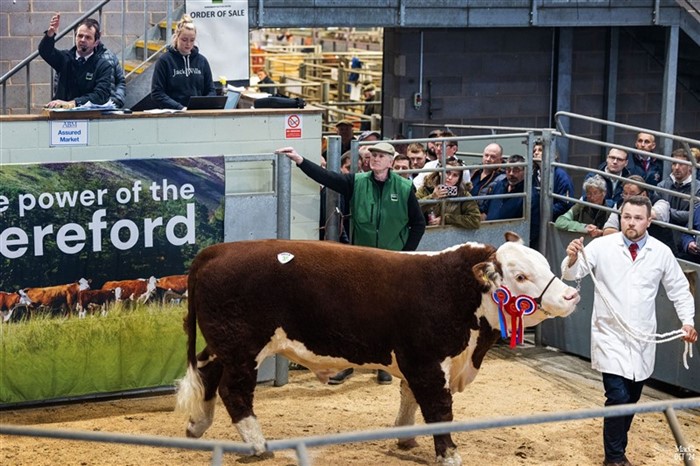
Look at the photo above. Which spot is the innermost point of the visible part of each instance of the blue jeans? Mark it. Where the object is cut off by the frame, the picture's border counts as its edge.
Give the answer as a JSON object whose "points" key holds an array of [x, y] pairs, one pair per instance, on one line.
{"points": [[618, 391]]}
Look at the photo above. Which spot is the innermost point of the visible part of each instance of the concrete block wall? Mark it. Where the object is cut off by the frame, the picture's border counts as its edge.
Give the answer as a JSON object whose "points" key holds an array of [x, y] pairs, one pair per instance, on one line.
{"points": [[503, 77], [22, 25], [25, 139]]}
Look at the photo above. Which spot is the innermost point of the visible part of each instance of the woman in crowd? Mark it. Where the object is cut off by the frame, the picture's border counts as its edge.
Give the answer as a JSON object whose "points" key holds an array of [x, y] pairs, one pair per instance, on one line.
{"points": [[463, 214], [584, 219], [181, 72]]}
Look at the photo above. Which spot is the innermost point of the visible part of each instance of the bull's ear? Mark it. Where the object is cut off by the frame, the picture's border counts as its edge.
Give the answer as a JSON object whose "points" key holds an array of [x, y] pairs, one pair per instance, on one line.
{"points": [[514, 237], [486, 274]]}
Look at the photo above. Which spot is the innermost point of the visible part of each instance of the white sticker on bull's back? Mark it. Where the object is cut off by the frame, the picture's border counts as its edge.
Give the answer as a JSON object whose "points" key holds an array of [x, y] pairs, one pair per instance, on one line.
{"points": [[285, 257]]}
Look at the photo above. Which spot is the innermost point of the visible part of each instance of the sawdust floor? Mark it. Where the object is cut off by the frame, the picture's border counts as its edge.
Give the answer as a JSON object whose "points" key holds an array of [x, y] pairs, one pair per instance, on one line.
{"points": [[534, 380]]}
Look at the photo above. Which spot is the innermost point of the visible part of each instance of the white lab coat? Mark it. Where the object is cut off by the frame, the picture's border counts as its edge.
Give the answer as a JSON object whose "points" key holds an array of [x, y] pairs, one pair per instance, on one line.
{"points": [[631, 288]]}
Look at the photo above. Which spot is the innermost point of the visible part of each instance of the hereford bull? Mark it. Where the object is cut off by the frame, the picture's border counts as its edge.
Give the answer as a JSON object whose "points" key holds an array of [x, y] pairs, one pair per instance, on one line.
{"points": [[57, 297], [427, 318]]}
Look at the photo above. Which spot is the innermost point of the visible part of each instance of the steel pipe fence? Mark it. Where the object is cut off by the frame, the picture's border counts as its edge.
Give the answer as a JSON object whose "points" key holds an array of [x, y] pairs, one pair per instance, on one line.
{"points": [[301, 444]]}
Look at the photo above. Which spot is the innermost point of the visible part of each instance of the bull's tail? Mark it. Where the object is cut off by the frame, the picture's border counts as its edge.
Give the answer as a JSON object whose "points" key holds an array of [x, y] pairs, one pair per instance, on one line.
{"points": [[190, 389]]}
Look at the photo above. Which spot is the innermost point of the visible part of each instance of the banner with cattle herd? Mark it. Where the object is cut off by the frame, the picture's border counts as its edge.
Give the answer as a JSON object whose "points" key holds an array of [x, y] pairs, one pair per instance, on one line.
{"points": [[93, 271]]}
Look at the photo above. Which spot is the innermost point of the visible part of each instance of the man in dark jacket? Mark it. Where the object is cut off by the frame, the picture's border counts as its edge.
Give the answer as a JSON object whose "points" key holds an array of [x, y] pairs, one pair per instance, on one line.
{"points": [[615, 164], [118, 84], [514, 182], [84, 75], [647, 167], [383, 206]]}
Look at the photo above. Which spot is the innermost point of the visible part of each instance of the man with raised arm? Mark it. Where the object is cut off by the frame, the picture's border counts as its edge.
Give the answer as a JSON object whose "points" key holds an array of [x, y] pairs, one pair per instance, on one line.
{"points": [[84, 75]]}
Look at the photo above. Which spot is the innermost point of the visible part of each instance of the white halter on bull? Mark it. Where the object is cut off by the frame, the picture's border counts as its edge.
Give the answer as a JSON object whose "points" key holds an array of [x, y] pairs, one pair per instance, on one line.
{"points": [[654, 338]]}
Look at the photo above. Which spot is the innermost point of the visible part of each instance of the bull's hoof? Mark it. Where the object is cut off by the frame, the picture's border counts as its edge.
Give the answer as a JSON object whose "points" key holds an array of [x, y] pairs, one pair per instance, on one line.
{"points": [[266, 455], [451, 458], [408, 444]]}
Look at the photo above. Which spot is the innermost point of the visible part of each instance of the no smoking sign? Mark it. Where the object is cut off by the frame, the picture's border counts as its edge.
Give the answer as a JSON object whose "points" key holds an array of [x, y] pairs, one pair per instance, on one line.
{"points": [[292, 127]]}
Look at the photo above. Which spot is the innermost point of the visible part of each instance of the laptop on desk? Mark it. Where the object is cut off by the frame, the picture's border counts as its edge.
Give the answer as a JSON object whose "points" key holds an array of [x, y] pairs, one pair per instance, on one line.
{"points": [[206, 102]]}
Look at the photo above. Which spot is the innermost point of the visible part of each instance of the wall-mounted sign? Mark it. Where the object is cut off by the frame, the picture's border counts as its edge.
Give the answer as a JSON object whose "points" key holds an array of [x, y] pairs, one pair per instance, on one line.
{"points": [[292, 127], [218, 23], [69, 133]]}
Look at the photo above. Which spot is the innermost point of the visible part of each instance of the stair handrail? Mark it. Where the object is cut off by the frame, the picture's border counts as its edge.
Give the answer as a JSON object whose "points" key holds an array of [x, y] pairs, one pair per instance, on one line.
{"points": [[25, 63], [148, 59]]}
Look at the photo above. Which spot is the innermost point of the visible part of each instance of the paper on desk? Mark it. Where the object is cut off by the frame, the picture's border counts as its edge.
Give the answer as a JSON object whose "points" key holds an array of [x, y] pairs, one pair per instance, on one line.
{"points": [[90, 106], [162, 110]]}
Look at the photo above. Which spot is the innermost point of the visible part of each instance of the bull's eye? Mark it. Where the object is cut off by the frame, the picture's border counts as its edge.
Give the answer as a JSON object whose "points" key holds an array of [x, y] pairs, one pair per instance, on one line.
{"points": [[520, 277]]}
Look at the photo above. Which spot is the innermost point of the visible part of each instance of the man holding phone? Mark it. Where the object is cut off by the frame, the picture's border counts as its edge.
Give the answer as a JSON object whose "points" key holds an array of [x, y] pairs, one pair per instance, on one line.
{"points": [[84, 75]]}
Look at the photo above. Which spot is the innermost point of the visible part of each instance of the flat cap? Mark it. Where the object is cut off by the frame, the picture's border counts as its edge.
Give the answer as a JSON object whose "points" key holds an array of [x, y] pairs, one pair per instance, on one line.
{"points": [[383, 147]]}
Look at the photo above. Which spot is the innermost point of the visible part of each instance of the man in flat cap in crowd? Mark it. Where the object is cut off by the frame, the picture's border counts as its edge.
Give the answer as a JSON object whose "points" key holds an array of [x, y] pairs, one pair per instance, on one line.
{"points": [[383, 206]]}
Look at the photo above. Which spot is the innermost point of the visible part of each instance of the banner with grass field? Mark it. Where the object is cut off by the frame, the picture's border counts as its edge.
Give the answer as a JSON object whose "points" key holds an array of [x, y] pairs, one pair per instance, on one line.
{"points": [[99, 221]]}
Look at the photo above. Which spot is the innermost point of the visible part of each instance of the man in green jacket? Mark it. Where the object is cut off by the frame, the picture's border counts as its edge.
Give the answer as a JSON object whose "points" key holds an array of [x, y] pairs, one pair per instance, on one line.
{"points": [[384, 210]]}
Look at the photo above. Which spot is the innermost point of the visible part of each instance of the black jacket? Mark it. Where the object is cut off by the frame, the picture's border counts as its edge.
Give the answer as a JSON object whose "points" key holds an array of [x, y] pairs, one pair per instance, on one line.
{"points": [[178, 77], [118, 84], [89, 82]]}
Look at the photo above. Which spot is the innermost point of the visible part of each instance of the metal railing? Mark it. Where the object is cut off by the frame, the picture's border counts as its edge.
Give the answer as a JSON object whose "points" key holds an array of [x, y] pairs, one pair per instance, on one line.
{"points": [[301, 444], [683, 141]]}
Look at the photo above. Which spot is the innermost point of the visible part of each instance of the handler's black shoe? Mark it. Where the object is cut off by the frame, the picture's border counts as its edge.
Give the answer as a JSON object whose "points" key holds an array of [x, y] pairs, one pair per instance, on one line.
{"points": [[341, 376], [623, 462], [383, 377]]}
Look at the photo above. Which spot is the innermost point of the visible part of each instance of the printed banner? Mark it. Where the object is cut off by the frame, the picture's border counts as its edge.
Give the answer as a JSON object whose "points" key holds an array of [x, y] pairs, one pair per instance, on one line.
{"points": [[222, 36], [133, 223], [103, 221]]}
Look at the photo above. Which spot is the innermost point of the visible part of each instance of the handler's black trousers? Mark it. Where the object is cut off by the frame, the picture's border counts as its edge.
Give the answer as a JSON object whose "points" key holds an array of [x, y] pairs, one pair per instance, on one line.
{"points": [[618, 391]]}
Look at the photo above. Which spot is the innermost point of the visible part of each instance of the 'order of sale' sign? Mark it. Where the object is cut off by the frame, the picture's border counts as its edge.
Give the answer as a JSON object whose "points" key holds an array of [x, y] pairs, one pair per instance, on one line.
{"points": [[222, 35]]}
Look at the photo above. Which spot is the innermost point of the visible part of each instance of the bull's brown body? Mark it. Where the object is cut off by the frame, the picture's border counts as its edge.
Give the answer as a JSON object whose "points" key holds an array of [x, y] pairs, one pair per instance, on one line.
{"points": [[332, 306]]}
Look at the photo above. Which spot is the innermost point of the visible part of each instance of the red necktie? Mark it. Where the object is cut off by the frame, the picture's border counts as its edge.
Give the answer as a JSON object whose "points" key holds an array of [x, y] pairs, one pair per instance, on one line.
{"points": [[634, 247]]}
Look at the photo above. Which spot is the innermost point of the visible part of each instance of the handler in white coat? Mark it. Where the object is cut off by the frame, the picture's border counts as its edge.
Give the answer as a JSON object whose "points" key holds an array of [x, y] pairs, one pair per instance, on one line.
{"points": [[629, 266]]}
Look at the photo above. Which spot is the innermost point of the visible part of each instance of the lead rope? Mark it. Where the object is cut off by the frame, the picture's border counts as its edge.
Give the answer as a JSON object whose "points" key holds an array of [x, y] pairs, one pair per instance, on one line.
{"points": [[633, 332]]}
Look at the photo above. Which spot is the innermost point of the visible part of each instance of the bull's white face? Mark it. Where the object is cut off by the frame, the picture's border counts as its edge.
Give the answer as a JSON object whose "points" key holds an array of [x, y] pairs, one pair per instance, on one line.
{"points": [[527, 272]]}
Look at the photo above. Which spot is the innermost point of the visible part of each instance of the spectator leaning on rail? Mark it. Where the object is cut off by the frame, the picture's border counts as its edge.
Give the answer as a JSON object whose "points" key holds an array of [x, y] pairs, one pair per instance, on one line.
{"points": [[84, 75], [435, 148], [402, 162], [679, 181], [585, 219], [615, 164], [484, 179], [181, 71], [691, 243], [629, 267], [384, 210], [562, 181], [649, 168], [514, 182], [463, 214]]}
